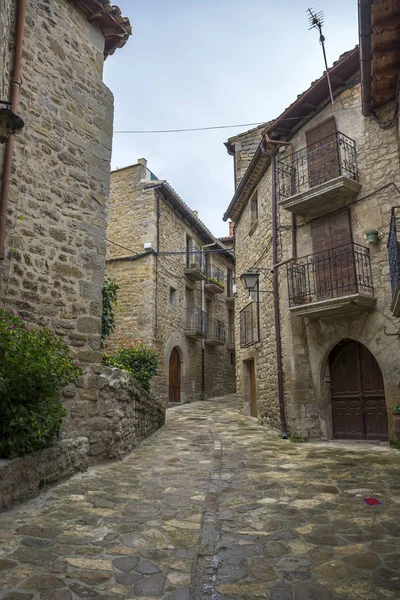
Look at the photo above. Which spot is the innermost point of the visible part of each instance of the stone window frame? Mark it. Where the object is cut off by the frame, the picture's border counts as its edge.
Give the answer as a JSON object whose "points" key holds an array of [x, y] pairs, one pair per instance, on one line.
{"points": [[254, 210], [173, 297]]}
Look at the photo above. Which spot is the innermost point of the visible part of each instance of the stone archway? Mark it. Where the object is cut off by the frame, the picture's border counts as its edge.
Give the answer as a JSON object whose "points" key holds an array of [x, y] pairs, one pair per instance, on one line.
{"points": [[357, 393]]}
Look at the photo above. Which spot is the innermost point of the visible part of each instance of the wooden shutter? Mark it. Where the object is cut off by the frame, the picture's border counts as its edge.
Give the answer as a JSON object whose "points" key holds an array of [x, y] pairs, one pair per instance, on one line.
{"points": [[333, 267], [323, 153]]}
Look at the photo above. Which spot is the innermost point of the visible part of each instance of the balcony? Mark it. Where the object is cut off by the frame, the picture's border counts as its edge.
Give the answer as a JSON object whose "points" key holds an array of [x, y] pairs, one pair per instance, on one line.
{"points": [[249, 325], [230, 339], [195, 323], [215, 333], [230, 290], [331, 283], [195, 264], [394, 261], [313, 182], [215, 281]]}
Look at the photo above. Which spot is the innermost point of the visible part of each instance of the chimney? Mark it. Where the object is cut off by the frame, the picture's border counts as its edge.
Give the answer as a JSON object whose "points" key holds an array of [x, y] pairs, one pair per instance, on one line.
{"points": [[231, 228], [142, 161], [196, 213]]}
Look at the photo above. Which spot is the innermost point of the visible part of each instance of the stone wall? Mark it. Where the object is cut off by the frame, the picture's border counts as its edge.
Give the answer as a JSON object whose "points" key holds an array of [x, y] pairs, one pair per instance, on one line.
{"points": [[245, 144], [24, 477], [307, 342], [145, 310], [254, 249]]}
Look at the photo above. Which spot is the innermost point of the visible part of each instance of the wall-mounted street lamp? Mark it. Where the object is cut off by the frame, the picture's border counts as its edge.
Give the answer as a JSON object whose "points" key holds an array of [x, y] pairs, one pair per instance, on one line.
{"points": [[9, 122], [251, 277]]}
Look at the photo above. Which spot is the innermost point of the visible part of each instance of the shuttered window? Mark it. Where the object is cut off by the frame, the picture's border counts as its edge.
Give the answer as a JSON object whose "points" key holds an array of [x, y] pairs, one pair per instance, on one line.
{"points": [[322, 153]]}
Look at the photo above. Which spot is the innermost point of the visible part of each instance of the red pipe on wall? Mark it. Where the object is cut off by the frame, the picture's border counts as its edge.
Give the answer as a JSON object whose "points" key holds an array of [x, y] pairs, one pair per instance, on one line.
{"points": [[15, 85]]}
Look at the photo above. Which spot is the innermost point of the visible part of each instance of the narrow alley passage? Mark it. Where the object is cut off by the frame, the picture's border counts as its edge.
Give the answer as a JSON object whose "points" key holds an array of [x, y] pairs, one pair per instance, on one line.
{"points": [[213, 507]]}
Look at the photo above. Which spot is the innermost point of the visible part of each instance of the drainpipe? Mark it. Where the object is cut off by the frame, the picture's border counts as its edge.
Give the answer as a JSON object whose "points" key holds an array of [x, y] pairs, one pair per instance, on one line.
{"points": [[275, 283], [15, 85], [203, 343]]}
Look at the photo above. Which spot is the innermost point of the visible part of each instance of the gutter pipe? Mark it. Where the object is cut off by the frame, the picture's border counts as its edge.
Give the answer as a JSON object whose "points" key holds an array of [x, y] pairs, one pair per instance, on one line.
{"points": [[8, 155], [275, 281], [364, 27]]}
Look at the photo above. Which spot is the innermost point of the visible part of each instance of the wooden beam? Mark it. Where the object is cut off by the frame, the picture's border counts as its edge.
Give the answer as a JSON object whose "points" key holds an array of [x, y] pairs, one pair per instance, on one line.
{"points": [[309, 105], [387, 25], [337, 79], [382, 96], [386, 50], [386, 73]]}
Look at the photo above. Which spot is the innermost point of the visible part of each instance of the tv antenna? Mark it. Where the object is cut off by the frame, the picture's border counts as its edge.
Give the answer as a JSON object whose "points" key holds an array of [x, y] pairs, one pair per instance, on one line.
{"points": [[316, 20]]}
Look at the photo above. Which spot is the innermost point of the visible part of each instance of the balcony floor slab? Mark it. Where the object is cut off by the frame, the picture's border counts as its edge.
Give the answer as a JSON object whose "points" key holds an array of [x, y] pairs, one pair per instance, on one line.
{"points": [[321, 199], [334, 307]]}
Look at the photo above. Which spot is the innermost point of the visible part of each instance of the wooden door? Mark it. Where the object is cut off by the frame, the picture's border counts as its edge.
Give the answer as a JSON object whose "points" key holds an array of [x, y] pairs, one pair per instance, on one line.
{"points": [[322, 153], [333, 266], [174, 377], [253, 393], [358, 398]]}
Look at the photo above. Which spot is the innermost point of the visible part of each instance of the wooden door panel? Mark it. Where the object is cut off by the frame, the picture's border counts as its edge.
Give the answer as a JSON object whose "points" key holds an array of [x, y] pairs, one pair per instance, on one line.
{"points": [[358, 400], [322, 153], [174, 377], [253, 392]]}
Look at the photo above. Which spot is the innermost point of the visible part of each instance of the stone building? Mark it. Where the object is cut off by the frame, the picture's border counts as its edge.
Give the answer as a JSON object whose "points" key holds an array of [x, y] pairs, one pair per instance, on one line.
{"points": [[318, 199], [176, 286], [54, 179]]}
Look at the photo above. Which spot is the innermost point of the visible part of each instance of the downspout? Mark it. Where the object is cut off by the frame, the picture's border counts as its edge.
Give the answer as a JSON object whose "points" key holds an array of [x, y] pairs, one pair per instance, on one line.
{"points": [[275, 285], [157, 253], [8, 155], [203, 344], [364, 27]]}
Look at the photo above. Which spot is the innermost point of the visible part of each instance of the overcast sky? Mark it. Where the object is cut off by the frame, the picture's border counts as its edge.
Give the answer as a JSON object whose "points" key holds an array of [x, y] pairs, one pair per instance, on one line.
{"points": [[199, 63]]}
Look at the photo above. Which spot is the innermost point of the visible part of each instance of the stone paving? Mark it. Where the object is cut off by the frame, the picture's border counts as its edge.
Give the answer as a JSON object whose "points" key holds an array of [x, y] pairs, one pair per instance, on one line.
{"points": [[213, 507]]}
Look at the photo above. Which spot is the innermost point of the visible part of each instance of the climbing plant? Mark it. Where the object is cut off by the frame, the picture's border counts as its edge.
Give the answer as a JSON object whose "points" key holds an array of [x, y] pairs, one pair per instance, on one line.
{"points": [[110, 298]]}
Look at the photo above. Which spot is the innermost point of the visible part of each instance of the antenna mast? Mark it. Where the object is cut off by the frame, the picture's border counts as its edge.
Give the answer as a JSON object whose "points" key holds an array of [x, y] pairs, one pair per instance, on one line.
{"points": [[316, 21]]}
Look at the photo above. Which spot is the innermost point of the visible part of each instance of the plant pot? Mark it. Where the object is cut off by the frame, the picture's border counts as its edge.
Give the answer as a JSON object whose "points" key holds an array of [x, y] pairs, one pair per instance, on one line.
{"points": [[372, 236], [396, 426]]}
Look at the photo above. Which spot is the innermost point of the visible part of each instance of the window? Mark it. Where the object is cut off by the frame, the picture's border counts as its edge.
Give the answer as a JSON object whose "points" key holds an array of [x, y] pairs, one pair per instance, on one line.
{"points": [[232, 359], [189, 248], [173, 297], [254, 208]]}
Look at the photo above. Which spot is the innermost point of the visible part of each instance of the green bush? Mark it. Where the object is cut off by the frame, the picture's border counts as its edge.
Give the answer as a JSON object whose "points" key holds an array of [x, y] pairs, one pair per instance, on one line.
{"points": [[396, 410], [34, 365], [140, 360], [110, 297]]}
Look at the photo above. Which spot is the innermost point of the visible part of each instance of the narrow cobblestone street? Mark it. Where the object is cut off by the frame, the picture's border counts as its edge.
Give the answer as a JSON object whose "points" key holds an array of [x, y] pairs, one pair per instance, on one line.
{"points": [[213, 507]]}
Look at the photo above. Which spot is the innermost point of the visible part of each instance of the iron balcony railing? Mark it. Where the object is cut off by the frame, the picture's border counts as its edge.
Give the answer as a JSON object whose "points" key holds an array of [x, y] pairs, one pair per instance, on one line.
{"points": [[230, 337], [195, 321], [249, 325], [216, 330], [333, 273], [230, 283], [335, 156], [394, 249], [215, 275], [195, 259]]}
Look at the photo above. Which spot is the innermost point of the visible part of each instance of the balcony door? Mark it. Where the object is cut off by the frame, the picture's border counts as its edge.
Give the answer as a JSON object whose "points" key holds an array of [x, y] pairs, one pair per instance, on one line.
{"points": [[333, 268], [358, 397], [322, 153]]}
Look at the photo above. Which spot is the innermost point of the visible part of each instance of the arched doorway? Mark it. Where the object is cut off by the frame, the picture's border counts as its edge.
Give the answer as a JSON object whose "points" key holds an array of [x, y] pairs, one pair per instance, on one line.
{"points": [[357, 392], [174, 387]]}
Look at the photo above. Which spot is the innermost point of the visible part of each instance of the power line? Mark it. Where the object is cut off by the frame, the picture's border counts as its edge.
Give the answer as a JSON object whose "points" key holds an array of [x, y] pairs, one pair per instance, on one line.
{"points": [[135, 131]]}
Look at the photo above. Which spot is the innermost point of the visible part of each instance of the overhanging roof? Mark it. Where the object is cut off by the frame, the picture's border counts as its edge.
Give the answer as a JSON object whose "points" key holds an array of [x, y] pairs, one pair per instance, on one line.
{"points": [[379, 30], [188, 215], [115, 28], [291, 120]]}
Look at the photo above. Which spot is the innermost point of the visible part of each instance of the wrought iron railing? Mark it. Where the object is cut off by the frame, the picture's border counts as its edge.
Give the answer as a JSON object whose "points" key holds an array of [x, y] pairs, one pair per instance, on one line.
{"points": [[195, 321], [394, 249], [230, 283], [333, 273], [335, 156], [195, 259], [215, 275], [216, 330], [230, 337], [249, 325]]}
